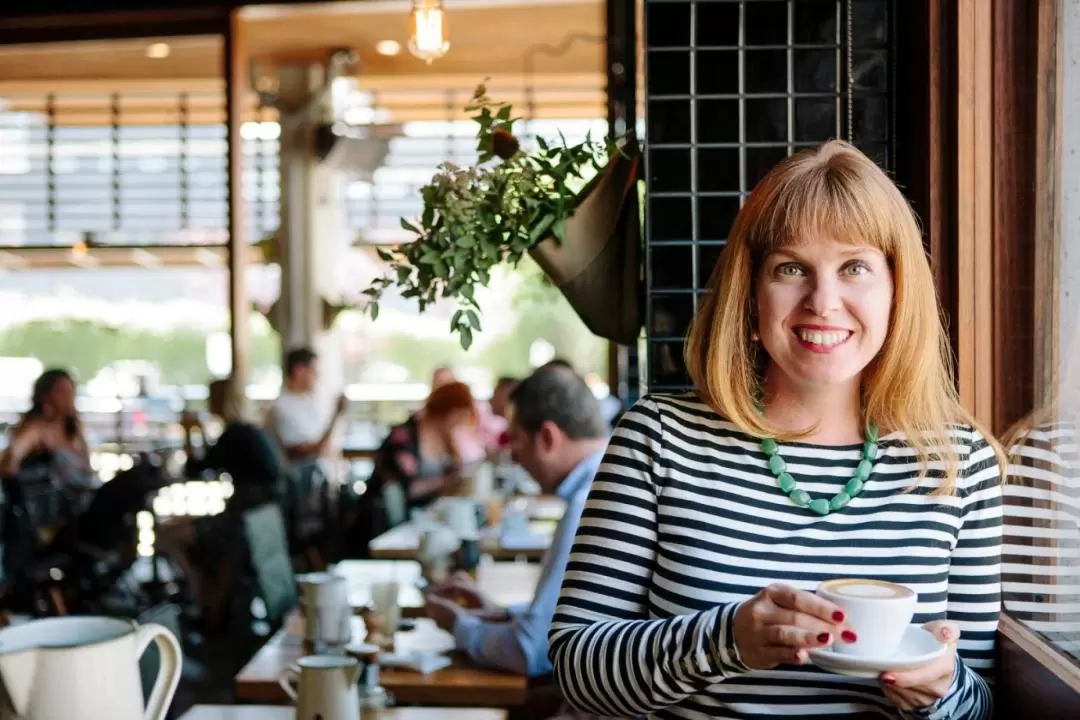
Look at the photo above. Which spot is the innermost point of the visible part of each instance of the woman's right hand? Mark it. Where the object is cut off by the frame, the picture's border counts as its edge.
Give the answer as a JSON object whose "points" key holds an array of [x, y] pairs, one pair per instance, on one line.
{"points": [[780, 625]]}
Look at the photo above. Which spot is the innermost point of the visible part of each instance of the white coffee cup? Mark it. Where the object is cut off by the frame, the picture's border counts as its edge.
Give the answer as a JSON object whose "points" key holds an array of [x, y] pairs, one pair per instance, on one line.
{"points": [[878, 612], [327, 612], [384, 601]]}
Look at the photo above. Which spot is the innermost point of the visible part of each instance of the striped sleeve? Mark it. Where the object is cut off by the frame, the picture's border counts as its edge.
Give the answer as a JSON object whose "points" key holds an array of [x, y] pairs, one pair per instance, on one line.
{"points": [[608, 656], [974, 595]]}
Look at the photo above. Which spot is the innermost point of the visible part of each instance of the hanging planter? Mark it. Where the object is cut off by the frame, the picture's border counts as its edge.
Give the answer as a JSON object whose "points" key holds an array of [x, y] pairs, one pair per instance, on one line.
{"points": [[572, 207], [597, 263]]}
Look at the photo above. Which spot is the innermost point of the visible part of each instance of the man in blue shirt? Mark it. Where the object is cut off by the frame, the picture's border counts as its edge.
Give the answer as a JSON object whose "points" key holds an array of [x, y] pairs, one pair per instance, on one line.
{"points": [[558, 434]]}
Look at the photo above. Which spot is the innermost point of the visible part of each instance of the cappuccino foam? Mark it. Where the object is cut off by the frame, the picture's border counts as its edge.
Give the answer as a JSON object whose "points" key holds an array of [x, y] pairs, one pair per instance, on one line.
{"points": [[867, 589]]}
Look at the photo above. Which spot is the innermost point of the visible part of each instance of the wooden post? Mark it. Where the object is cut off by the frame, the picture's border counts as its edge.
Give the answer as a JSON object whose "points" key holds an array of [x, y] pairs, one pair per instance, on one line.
{"points": [[236, 88], [974, 205]]}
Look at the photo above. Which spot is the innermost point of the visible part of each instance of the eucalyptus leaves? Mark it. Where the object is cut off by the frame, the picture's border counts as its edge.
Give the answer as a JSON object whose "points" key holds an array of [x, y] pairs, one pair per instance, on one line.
{"points": [[476, 218]]}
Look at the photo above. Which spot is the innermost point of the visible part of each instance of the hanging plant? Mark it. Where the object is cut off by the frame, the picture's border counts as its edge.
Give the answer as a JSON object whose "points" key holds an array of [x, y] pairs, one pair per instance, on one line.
{"points": [[475, 218]]}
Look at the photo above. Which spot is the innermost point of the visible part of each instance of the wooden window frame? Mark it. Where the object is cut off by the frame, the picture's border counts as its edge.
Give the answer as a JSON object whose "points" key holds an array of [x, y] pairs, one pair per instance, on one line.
{"points": [[980, 142]]}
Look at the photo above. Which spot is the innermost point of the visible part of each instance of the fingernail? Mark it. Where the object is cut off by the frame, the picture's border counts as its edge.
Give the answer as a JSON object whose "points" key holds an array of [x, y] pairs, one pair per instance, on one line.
{"points": [[823, 638], [848, 636], [838, 616], [946, 632], [889, 680]]}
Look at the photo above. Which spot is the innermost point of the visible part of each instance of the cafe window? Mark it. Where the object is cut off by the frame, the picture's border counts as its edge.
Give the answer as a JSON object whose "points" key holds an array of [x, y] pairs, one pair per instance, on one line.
{"points": [[1036, 358]]}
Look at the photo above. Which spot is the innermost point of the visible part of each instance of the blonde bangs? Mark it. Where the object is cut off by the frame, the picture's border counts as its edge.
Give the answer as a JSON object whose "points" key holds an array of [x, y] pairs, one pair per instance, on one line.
{"points": [[827, 201], [832, 192]]}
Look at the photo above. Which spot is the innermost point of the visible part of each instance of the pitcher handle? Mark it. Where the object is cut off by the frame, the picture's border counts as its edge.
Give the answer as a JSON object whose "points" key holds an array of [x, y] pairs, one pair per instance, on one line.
{"points": [[168, 675], [285, 681]]}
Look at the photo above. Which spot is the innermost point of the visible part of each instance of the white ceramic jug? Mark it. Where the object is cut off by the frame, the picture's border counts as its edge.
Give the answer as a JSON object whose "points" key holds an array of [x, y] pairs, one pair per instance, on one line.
{"points": [[327, 687], [84, 668]]}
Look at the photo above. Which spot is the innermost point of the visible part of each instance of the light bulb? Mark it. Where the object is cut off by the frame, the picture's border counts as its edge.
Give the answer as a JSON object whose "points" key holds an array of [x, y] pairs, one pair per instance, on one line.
{"points": [[427, 30]]}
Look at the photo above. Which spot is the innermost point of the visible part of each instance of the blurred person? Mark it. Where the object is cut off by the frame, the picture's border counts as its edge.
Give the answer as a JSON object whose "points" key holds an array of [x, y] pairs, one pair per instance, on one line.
{"points": [[422, 454], [489, 436], [203, 547], [301, 420], [500, 396], [50, 432], [441, 377], [558, 434], [242, 450]]}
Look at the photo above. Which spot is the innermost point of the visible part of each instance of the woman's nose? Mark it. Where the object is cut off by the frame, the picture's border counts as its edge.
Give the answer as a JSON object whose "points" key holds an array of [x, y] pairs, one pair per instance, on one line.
{"points": [[824, 297]]}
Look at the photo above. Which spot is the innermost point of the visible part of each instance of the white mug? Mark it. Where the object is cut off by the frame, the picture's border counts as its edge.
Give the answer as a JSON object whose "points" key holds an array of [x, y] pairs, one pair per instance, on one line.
{"points": [[878, 612], [326, 687], [327, 612], [385, 603]]}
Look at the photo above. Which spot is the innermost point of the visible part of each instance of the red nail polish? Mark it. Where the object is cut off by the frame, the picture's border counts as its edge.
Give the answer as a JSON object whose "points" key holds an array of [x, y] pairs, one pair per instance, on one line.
{"points": [[838, 616], [848, 636], [823, 638], [889, 680]]}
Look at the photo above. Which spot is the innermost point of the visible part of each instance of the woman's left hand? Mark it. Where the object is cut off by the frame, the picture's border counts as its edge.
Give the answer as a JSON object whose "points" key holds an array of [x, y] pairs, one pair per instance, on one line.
{"points": [[923, 686]]}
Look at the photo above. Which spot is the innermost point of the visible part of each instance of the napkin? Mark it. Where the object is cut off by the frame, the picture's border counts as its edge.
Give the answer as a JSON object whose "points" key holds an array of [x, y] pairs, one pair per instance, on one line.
{"points": [[423, 662]]}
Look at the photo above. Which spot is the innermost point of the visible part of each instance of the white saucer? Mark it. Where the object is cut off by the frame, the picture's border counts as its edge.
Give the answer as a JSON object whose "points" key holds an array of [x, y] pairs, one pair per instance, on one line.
{"points": [[917, 648]]}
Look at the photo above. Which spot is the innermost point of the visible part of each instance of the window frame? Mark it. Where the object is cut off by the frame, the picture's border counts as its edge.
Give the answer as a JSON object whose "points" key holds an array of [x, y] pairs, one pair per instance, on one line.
{"points": [[986, 124]]}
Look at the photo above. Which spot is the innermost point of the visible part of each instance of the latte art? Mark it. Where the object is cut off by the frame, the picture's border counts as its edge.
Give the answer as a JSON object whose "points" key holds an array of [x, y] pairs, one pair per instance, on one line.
{"points": [[869, 589]]}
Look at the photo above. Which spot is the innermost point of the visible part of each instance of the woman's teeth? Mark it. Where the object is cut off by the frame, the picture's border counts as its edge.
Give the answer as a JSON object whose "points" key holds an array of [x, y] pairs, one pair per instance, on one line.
{"points": [[823, 338]]}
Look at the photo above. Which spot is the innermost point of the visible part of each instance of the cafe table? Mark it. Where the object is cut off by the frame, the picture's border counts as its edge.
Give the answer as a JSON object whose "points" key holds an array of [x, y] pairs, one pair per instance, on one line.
{"points": [[279, 712], [506, 583], [460, 684], [543, 512], [403, 542]]}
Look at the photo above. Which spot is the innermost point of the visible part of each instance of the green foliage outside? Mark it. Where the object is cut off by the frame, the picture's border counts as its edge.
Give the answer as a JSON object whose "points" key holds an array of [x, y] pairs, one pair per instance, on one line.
{"points": [[542, 313], [85, 347]]}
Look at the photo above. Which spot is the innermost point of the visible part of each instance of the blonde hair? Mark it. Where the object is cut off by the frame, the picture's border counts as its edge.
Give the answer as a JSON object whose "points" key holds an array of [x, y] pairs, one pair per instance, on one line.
{"points": [[234, 404], [832, 191]]}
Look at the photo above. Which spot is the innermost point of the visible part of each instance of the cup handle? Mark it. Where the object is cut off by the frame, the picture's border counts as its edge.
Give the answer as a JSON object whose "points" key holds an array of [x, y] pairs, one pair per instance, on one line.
{"points": [[285, 680], [168, 675]]}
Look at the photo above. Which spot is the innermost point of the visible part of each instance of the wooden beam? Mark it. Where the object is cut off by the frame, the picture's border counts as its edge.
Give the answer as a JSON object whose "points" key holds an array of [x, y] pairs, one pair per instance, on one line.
{"points": [[236, 91], [23, 257], [1047, 213], [69, 27], [1013, 176], [499, 85], [974, 202]]}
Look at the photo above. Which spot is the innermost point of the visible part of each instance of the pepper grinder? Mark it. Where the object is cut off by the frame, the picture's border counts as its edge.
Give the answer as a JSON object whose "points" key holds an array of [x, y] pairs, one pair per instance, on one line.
{"points": [[373, 697]]}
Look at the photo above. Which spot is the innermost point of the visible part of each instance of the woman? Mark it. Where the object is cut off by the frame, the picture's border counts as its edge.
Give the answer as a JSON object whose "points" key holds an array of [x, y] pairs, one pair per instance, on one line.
{"points": [[50, 431], [818, 345], [423, 454], [205, 548], [242, 450]]}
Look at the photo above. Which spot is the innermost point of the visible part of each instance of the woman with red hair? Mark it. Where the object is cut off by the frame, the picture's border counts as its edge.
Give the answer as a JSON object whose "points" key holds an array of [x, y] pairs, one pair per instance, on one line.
{"points": [[422, 454]]}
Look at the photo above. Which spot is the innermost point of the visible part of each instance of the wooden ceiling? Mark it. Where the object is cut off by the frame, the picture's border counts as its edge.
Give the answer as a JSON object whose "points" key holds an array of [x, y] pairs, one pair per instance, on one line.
{"points": [[487, 38]]}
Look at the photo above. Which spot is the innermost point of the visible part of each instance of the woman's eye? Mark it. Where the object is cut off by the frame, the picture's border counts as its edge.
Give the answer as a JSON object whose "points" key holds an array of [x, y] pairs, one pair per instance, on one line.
{"points": [[788, 270], [858, 268]]}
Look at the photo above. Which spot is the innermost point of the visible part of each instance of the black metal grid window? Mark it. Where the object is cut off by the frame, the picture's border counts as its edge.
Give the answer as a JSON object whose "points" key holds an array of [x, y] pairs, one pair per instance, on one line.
{"points": [[733, 87]]}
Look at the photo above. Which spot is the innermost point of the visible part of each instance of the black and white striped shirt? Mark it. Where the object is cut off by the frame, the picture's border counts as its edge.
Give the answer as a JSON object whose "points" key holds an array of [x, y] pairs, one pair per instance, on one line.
{"points": [[685, 521]]}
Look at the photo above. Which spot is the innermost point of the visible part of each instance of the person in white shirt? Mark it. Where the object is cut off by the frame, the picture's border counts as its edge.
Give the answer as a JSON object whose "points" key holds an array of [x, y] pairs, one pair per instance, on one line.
{"points": [[301, 420]]}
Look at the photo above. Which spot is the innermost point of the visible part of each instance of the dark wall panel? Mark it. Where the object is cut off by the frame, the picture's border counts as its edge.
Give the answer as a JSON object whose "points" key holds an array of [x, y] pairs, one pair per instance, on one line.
{"points": [[732, 87]]}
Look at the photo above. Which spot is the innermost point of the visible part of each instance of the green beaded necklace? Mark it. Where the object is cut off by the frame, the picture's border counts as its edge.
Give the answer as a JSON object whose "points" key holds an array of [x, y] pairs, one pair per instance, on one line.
{"points": [[821, 506]]}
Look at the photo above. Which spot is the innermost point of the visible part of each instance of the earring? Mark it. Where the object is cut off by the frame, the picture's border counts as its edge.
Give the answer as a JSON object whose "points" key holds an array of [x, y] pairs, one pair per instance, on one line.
{"points": [[754, 336]]}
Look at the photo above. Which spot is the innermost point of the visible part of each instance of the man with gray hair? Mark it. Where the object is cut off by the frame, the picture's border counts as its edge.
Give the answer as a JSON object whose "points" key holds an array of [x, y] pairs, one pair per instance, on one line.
{"points": [[558, 434]]}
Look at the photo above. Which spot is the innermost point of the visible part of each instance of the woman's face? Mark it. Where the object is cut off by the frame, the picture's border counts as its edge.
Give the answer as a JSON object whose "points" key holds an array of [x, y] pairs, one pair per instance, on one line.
{"points": [[61, 398], [823, 311]]}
